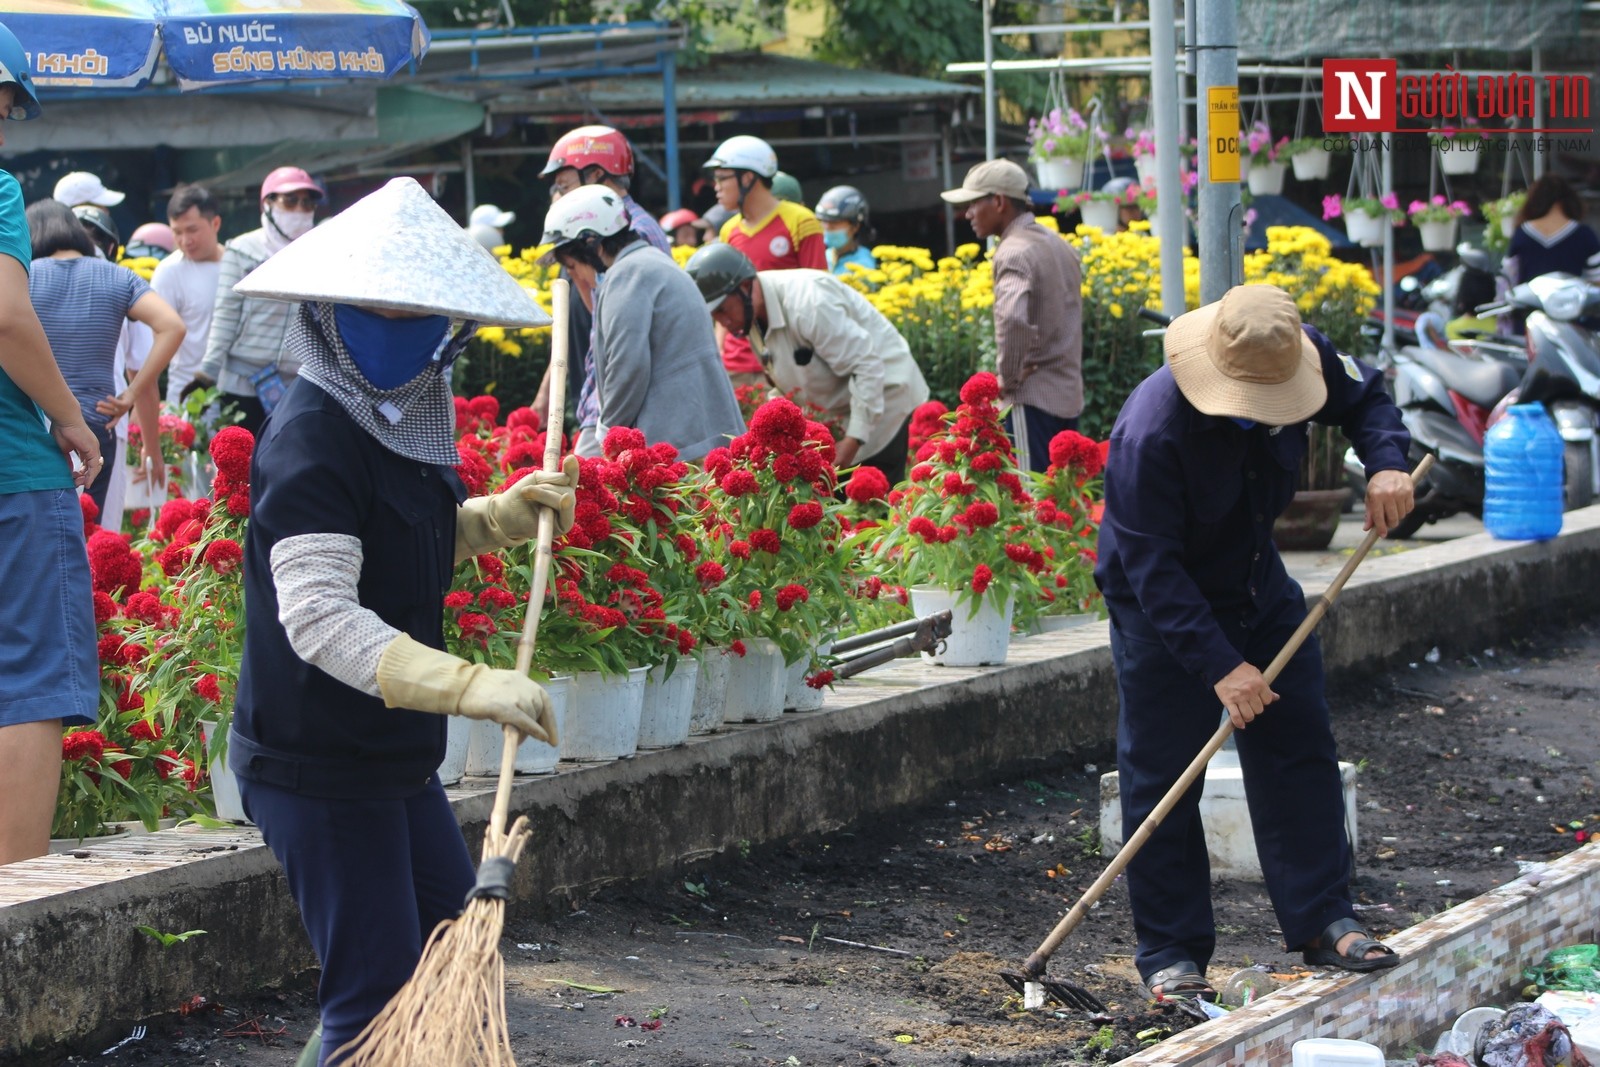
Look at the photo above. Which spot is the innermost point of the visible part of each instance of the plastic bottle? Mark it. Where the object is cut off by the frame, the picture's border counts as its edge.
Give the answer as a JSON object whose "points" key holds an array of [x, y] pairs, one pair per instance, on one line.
{"points": [[1523, 476]]}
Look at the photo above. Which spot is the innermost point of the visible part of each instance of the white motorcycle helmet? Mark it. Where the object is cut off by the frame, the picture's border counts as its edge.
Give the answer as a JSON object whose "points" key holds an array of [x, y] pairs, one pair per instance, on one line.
{"points": [[589, 212], [746, 153]]}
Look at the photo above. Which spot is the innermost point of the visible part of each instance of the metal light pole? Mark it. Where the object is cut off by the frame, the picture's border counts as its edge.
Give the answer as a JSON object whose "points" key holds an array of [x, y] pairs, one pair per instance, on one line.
{"points": [[1221, 216], [1164, 97], [990, 106]]}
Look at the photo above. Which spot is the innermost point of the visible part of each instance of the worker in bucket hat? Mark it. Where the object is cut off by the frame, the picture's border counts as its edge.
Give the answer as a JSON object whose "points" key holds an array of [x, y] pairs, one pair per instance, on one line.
{"points": [[357, 521], [1204, 457]]}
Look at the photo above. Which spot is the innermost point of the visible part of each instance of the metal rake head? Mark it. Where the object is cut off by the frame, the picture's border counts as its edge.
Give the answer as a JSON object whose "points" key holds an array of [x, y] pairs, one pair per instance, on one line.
{"points": [[1067, 994]]}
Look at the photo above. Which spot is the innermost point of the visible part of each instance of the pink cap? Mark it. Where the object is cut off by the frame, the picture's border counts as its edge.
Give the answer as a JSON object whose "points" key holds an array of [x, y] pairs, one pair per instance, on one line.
{"points": [[158, 234], [289, 180]]}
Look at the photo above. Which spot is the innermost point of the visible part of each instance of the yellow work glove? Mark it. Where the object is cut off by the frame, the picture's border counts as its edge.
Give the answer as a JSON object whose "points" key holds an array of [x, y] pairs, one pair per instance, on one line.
{"points": [[413, 675], [490, 523]]}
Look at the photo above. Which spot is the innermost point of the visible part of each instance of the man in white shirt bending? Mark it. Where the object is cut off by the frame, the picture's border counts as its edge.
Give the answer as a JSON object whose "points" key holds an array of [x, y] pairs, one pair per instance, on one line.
{"points": [[187, 279]]}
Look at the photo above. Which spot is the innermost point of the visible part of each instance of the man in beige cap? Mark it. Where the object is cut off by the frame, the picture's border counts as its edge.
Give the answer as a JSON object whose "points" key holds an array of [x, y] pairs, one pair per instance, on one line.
{"points": [[1038, 309], [1204, 457]]}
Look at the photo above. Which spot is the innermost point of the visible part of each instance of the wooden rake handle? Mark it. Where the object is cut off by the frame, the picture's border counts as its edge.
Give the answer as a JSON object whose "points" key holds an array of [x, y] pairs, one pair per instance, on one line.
{"points": [[560, 309], [1035, 964]]}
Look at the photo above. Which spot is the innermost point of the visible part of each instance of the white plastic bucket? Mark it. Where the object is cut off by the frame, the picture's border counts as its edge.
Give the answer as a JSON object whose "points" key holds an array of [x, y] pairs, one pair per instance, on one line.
{"points": [[797, 695], [756, 683], [1335, 1052], [533, 756], [668, 705], [1058, 174], [1101, 213], [1438, 236], [710, 691], [457, 739], [1364, 229], [1311, 165], [224, 786], [1266, 179], [975, 640], [603, 715]]}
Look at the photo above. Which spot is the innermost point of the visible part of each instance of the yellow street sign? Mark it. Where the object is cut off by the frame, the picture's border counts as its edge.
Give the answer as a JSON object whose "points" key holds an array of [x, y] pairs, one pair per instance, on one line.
{"points": [[1222, 133]]}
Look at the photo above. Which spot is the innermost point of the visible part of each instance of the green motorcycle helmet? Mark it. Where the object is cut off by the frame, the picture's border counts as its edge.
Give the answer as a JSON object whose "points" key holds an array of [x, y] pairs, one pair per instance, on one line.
{"points": [[786, 186], [718, 270]]}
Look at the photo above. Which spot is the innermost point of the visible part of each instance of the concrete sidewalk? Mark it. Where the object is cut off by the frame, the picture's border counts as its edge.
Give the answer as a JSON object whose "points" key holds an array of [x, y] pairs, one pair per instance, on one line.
{"points": [[890, 739]]}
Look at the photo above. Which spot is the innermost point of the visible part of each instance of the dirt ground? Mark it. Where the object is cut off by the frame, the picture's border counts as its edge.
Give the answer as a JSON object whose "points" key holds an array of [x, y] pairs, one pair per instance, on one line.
{"points": [[1468, 768]]}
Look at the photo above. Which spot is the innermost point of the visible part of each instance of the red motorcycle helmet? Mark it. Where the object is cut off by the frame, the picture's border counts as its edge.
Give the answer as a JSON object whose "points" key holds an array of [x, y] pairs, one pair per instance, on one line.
{"points": [[591, 146]]}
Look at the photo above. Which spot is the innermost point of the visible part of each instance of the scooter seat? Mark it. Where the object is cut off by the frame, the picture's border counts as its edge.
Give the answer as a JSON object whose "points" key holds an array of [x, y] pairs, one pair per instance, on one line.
{"points": [[1482, 382]]}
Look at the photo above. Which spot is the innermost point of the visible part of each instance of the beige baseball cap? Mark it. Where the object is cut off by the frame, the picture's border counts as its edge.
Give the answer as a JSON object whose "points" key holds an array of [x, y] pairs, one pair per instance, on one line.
{"points": [[994, 177]]}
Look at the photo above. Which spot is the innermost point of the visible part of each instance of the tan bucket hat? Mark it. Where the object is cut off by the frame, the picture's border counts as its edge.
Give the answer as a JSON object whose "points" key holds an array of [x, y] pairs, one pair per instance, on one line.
{"points": [[1246, 357], [397, 249]]}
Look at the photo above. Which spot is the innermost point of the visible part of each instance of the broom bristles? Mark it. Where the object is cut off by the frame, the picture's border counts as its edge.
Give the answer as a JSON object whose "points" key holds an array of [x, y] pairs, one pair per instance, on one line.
{"points": [[452, 1012]]}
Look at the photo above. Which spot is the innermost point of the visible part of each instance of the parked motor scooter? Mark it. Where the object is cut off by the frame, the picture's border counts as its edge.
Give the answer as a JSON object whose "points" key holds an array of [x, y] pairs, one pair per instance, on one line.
{"points": [[1563, 371]]}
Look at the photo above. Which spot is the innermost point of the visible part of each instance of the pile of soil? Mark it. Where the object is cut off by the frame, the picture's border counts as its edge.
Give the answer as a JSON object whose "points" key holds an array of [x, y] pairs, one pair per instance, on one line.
{"points": [[1470, 767]]}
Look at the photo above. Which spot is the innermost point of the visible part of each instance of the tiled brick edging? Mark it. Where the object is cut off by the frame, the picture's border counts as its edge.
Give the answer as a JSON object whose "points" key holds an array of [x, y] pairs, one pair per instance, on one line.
{"points": [[1469, 956]]}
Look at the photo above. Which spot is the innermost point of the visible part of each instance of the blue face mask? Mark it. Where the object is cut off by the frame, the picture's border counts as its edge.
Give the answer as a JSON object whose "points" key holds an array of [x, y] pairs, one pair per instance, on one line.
{"points": [[1243, 424], [389, 352], [835, 239]]}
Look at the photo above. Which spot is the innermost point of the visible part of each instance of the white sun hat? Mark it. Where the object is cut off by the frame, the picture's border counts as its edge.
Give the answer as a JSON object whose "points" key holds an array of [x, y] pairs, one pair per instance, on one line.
{"points": [[399, 251]]}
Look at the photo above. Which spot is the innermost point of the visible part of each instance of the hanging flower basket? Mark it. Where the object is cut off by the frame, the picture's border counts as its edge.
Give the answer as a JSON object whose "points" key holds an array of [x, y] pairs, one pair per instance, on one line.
{"points": [[1364, 229], [1101, 213], [1456, 161], [1059, 173], [1266, 179], [1145, 168], [1312, 164], [1438, 236]]}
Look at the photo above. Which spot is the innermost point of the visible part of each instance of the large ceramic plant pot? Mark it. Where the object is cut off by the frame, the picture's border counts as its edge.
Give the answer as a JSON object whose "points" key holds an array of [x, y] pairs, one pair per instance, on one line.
{"points": [[1310, 521], [976, 639]]}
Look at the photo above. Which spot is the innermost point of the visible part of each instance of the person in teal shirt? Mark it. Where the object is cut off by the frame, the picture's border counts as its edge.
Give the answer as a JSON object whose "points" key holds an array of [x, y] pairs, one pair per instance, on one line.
{"points": [[49, 674], [845, 229]]}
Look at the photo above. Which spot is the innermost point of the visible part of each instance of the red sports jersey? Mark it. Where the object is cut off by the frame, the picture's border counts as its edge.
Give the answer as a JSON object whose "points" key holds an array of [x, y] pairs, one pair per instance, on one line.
{"points": [[790, 237]]}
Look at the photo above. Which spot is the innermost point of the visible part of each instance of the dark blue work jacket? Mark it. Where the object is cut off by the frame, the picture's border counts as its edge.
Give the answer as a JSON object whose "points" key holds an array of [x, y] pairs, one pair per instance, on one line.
{"points": [[1190, 500], [315, 471]]}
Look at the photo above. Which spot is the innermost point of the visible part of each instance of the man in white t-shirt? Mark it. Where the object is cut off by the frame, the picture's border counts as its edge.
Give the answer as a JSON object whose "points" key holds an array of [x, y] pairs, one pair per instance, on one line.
{"points": [[187, 279]]}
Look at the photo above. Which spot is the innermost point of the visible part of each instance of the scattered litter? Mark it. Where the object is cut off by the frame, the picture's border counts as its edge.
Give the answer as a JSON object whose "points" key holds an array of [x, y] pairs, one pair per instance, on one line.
{"points": [[580, 985], [137, 1035], [627, 1022], [1442, 881], [631, 1043], [874, 948], [1575, 969], [1433, 655], [813, 1006], [1433, 709], [1090, 768], [791, 940], [530, 946], [650, 1024], [904, 1039], [253, 1028]]}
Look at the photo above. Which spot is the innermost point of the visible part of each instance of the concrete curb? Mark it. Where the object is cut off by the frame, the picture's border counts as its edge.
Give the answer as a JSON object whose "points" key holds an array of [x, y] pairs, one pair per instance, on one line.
{"points": [[72, 964]]}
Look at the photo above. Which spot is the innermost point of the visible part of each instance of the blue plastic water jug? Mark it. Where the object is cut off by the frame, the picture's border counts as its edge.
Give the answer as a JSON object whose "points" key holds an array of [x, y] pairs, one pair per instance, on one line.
{"points": [[1522, 476]]}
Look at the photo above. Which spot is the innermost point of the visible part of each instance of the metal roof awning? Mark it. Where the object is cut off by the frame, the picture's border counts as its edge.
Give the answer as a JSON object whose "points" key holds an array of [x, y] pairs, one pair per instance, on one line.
{"points": [[744, 82]]}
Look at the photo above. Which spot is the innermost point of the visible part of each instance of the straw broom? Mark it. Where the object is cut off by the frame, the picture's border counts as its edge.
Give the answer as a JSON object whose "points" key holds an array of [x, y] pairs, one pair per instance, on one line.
{"points": [[452, 1013]]}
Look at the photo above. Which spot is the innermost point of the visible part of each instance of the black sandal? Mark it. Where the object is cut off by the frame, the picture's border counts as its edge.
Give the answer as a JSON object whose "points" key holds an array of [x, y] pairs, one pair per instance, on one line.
{"points": [[1326, 954], [1181, 981]]}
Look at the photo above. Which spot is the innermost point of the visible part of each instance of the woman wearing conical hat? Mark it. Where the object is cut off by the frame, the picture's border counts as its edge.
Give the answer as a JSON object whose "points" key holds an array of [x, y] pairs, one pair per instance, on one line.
{"points": [[357, 521]]}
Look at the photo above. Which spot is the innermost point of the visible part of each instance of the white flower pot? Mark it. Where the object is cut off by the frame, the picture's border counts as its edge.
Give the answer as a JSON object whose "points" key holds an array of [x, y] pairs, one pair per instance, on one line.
{"points": [[975, 640], [603, 715], [1058, 174], [1312, 164], [1438, 236], [1508, 225], [710, 691], [457, 739], [668, 705], [1457, 161], [1267, 179], [1101, 213], [797, 695], [1145, 168], [487, 739], [1364, 229], [1244, 165], [756, 683], [115, 833], [224, 785]]}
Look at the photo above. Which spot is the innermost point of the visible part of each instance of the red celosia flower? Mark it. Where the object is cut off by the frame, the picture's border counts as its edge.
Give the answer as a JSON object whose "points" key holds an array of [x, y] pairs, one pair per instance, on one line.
{"points": [[525, 417], [475, 626], [820, 680], [947, 534], [620, 439], [230, 451], [737, 648], [738, 482], [457, 599], [739, 549], [473, 470], [805, 516], [174, 558], [87, 745], [174, 513], [791, 594], [766, 540], [1072, 449], [981, 577], [921, 472], [138, 518], [785, 467], [206, 687], [167, 762], [955, 485], [105, 609], [91, 512], [239, 503], [491, 568], [145, 730], [1011, 483], [146, 607], [686, 547], [923, 527], [496, 599], [987, 461], [123, 767], [113, 564], [109, 648], [485, 408], [867, 484], [982, 513], [718, 462], [224, 555], [1019, 553], [754, 599], [686, 642], [710, 572], [779, 424], [981, 388]]}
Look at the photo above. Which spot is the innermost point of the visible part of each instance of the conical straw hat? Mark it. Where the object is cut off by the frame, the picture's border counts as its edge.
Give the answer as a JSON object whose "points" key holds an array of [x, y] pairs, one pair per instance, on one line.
{"points": [[398, 250]]}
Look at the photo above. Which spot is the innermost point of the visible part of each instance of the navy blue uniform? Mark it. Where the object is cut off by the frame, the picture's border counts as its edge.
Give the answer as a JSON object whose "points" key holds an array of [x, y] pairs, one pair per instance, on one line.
{"points": [[1195, 587], [343, 788]]}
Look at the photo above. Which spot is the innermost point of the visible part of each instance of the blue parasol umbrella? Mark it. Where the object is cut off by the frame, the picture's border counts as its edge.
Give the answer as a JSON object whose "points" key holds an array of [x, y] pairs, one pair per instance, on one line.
{"points": [[114, 43]]}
